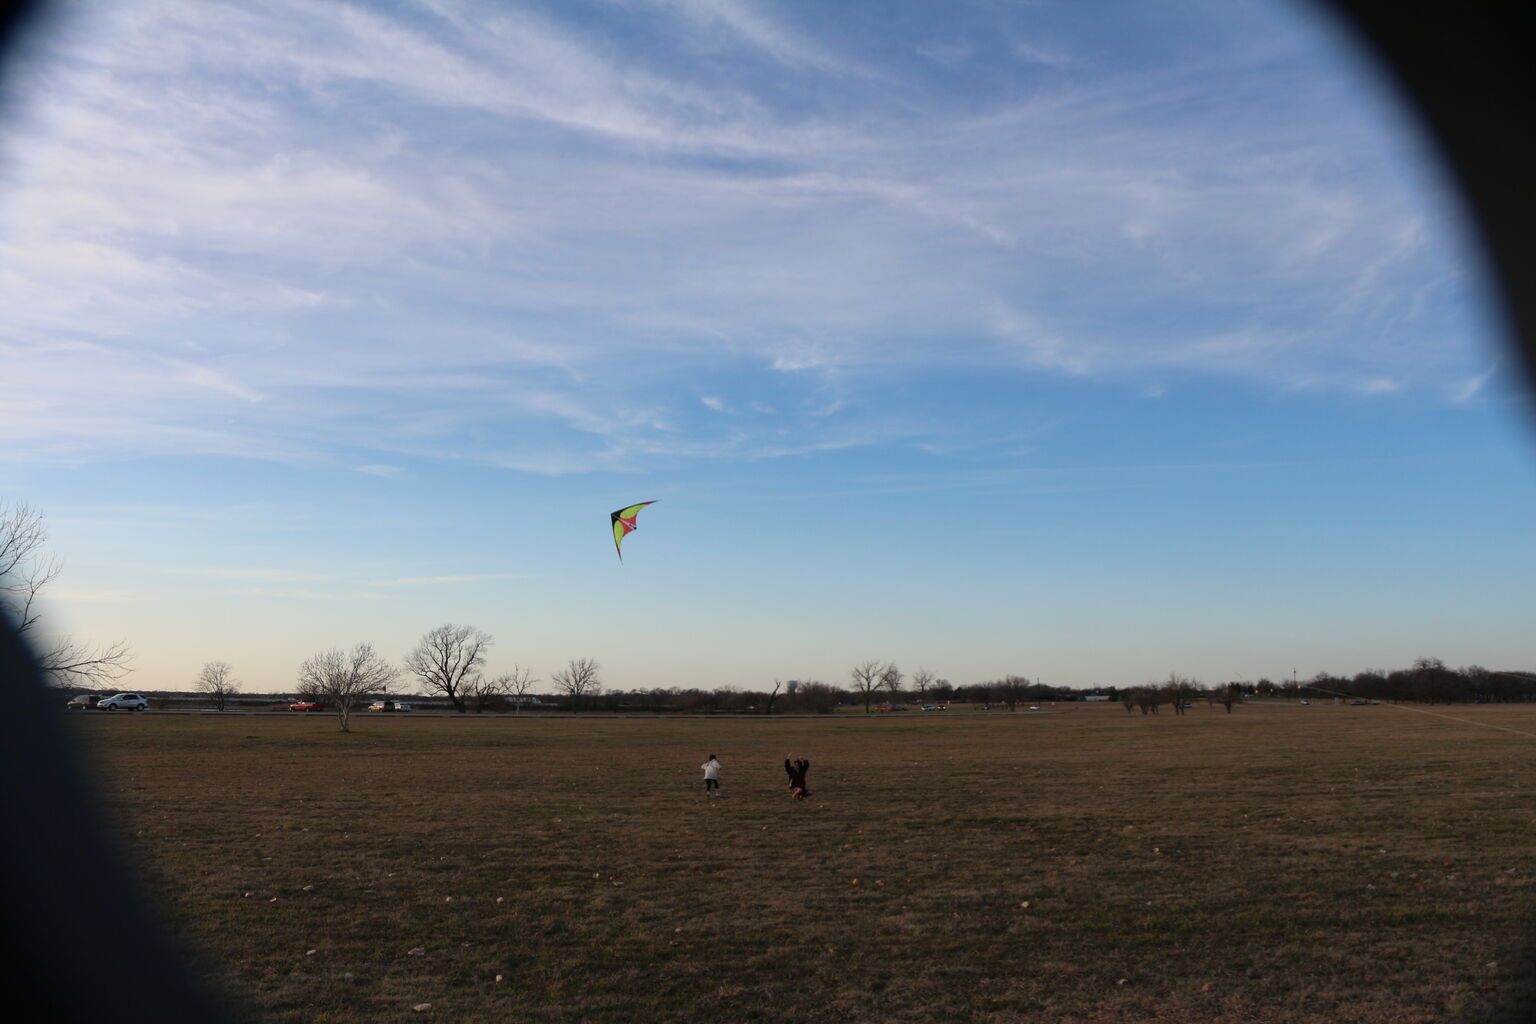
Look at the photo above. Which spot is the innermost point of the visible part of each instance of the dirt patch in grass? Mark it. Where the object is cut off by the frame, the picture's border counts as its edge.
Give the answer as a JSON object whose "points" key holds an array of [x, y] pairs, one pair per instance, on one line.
{"points": [[1278, 864]]}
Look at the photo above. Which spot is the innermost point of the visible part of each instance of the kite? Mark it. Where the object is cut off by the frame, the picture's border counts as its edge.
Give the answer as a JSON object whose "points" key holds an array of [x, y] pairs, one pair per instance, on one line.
{"points": [[623, 523]]}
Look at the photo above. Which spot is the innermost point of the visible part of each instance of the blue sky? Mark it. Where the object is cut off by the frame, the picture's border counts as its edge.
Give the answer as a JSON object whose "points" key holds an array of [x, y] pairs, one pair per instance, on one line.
{"points": [[1085, 341]]}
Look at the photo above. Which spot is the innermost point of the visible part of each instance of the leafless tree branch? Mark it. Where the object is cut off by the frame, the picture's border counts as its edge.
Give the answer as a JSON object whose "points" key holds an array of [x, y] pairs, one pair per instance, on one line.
{"points": [[217, 681], [25, 570], [448, 660], [868, 677], [515, 684], [578, 680], [341, 679]]}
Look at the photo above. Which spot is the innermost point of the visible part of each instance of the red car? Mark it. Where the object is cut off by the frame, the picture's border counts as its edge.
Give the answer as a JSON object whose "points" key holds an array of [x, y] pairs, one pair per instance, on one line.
{"points": [[306, 705]]}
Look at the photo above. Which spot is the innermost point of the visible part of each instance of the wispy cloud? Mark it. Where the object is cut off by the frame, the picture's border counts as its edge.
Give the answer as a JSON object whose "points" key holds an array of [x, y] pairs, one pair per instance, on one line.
{"points": [[273, 575], [306, 594], [1038, 54], [476, 577], [947, 53], [1380, 386], [525, 232], [91, 594], [1470, 387], [753, 25], [213, 380]]}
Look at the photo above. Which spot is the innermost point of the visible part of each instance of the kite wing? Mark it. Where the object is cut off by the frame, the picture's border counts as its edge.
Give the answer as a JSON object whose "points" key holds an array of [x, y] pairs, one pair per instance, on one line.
{"points": [[623, 523]]}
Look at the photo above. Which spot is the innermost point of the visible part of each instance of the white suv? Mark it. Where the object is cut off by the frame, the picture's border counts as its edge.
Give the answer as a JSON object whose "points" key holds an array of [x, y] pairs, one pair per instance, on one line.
{"points": [[124, 702]]}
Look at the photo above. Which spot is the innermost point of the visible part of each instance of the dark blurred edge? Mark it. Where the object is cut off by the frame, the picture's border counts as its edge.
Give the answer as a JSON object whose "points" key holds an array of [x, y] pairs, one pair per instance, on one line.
{"points": [[1468, 71], [78, 942]]}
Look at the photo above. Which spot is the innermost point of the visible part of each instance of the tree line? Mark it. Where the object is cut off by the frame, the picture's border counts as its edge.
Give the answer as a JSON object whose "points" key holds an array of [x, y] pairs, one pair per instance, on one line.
{"points": [[449, 662], [1427, 681]]}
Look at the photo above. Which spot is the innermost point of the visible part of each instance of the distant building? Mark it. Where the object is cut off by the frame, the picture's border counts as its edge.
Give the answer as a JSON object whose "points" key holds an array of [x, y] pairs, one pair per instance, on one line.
{"points": [[1096, 697]]}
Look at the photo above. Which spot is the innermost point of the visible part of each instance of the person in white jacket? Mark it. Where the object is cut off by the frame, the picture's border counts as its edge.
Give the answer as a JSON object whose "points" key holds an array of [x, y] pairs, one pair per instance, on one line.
{"points": [[711, 776]]}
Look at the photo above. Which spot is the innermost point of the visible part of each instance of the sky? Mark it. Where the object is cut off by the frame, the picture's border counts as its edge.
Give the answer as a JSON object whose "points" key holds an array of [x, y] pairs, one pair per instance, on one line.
{"points": [[1082, 341]]}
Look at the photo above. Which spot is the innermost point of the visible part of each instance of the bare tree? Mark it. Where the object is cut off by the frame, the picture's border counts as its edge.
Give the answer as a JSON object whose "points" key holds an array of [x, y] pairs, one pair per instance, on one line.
{"points": [[1429, 680], [578, 680], [71, 662], [1228, 694], [485, 693], [814, 697], [448, 660], [868, 677], [768, 705], [890, 679], [1148, 698], [1180, 690], [1011, 689], [921, 680], [308, 687], [515, 684], [217, 681], [342, 679], [25, 569]]}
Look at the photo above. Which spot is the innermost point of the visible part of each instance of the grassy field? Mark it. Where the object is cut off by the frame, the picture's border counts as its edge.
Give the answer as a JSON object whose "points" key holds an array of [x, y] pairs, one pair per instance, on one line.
{"points": [[1279, 864]]}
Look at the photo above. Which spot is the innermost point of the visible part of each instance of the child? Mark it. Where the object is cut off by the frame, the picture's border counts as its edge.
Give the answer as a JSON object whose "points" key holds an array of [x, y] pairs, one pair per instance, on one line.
{"points": [[711, 776], [796, 771]]}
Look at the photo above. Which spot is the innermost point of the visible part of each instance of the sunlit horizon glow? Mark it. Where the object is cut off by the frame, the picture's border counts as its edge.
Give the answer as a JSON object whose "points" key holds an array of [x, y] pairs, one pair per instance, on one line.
{"points": [[1080, 342]]}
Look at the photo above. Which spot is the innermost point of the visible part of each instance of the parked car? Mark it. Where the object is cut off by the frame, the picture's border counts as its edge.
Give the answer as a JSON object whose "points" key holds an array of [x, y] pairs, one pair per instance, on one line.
{"points": [[388, 705], [124, 702], [403, 707], [83, 702], [306, 705], [1305, 703], [929, 707], [1034, 707], [1357, 703]]}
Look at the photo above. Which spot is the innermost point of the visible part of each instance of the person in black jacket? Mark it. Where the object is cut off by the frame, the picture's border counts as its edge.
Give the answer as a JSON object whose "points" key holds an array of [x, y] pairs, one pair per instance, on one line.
{"points": [[796, 771]]}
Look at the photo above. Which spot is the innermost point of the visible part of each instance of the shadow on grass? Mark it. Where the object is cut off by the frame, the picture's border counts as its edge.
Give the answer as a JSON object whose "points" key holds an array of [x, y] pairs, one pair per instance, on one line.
{"points": [[1515, 999]]}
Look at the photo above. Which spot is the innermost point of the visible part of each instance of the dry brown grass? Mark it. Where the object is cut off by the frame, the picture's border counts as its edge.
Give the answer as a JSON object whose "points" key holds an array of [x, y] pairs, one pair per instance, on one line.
{"points": [[1279, 864]]}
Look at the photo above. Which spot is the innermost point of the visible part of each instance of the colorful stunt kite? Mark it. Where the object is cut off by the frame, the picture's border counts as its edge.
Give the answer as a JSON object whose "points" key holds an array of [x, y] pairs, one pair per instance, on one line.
{"points": [[623, 523]]}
